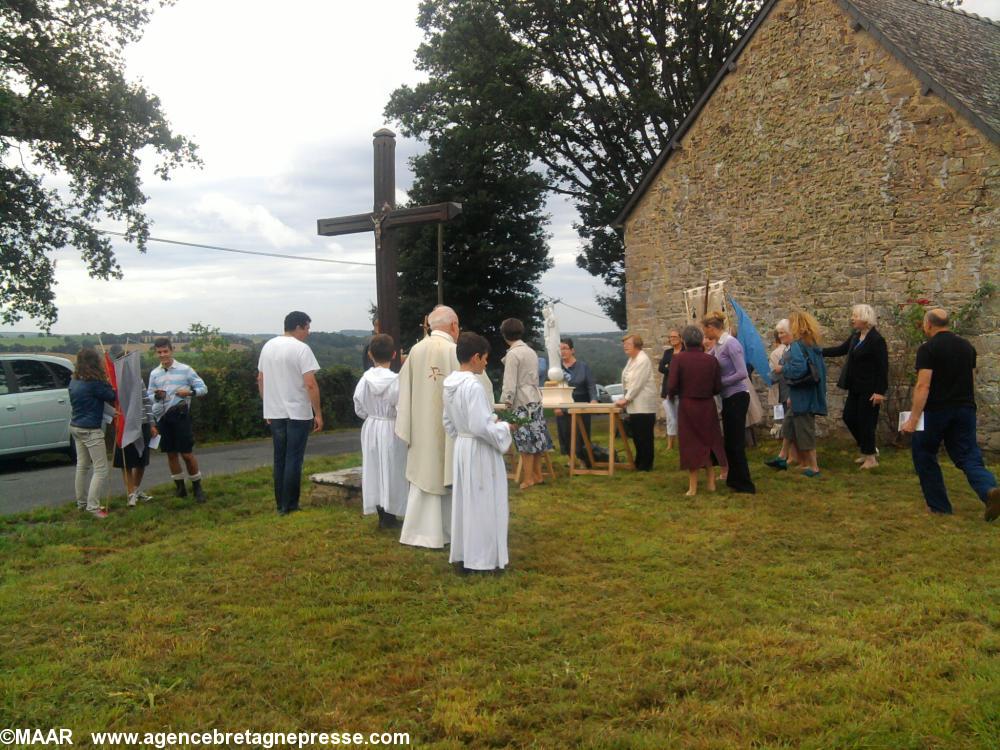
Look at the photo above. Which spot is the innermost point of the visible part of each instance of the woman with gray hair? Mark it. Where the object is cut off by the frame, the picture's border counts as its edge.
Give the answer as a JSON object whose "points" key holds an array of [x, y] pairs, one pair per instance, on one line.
{"points": [[694, 379], [865, 377]]}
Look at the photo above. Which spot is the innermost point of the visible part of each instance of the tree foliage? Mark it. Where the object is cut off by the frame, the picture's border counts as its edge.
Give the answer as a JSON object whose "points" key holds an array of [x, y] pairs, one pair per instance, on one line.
{"points": [[68, 112], [590, 90], [495, 251]]}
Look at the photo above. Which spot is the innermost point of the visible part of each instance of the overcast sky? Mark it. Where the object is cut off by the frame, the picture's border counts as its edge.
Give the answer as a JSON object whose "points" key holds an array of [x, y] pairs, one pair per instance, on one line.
{"points": [[282, 100]]}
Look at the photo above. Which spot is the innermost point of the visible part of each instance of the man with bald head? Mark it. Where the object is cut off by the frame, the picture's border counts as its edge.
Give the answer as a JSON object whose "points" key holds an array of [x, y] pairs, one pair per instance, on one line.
{"points": [[419, 424], [945, 396]]}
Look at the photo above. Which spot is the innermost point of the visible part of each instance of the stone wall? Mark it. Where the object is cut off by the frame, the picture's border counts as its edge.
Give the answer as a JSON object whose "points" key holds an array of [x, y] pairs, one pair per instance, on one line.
{"points": [[818, 176]]}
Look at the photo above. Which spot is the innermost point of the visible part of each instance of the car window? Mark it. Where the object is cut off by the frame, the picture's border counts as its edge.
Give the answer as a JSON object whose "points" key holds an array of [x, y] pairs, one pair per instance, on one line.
{"points": [[3, 380], [63, 374], [32, 376]]}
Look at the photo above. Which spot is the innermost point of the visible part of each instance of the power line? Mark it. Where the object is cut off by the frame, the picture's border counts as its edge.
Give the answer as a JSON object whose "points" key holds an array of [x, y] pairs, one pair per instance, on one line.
{"points": [[307, 258], [244, 252], [579, 310]]}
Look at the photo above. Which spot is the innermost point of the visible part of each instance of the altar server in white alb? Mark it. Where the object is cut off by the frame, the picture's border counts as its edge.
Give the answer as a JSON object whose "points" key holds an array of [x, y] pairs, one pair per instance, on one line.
{"points": [[383, 454], [418, 424], [479, 483]]}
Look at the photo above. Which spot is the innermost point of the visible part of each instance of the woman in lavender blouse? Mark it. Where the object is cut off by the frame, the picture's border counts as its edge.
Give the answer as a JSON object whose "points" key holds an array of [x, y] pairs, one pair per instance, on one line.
{"points": [[735, 400]]}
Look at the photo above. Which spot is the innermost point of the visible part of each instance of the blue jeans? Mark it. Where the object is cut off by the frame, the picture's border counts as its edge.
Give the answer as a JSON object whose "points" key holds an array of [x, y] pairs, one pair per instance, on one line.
{"points": [[289, 437], [957, 428]]}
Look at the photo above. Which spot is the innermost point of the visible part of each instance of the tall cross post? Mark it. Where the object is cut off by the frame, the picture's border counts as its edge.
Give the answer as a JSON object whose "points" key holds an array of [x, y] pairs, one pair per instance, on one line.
{"points": [[383, 219]]}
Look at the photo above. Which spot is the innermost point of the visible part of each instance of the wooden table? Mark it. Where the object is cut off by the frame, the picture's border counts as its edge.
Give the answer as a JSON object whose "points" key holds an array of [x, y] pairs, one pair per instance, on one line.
{"points": [[615, 428]]}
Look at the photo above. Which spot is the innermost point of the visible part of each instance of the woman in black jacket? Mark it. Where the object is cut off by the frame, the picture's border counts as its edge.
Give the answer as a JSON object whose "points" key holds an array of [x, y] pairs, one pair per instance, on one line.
{"points": [[865, 377], [674, 345]]}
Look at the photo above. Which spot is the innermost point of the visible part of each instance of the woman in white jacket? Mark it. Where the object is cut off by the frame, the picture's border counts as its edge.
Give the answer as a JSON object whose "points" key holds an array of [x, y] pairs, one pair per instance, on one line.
{"points": [[640, 400]]}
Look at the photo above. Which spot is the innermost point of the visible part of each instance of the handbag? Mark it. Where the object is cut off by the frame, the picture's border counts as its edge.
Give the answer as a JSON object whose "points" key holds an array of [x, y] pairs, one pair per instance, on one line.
{"points": [[812, 376]]}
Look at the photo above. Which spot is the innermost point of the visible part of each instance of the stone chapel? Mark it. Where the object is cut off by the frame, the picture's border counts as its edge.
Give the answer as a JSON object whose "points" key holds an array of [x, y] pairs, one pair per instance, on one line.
{"points": [[847, 151]]}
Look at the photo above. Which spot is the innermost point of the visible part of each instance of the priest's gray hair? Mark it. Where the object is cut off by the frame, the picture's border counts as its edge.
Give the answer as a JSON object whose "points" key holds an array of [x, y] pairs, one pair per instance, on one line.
{"points": [[441, 318]]}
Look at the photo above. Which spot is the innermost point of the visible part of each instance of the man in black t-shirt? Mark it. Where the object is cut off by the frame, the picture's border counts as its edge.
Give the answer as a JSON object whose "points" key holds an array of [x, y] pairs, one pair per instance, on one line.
{"points": [[945, 395]]}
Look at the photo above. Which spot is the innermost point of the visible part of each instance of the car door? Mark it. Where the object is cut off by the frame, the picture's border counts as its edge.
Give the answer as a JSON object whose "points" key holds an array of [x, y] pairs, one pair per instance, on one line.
{"points": [[63, 374], [43, 406], [11, 431]]}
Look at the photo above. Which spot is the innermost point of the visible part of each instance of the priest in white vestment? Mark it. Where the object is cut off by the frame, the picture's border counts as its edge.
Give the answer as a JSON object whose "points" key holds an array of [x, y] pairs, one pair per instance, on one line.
{"points": [[419, 425], [383, 465], [480, 508]]}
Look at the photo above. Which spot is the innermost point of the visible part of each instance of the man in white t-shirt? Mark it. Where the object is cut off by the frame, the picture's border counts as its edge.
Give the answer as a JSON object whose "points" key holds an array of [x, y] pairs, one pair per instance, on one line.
{"points": [[286, 379]]}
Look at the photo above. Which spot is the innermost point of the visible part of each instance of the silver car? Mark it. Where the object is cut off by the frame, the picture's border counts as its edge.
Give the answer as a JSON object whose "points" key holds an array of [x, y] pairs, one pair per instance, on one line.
{"points": [[34, 404]]}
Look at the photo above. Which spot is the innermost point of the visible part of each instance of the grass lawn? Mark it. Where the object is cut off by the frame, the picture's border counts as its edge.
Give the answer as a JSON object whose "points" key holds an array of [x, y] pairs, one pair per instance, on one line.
{"points": [[829, 613]]}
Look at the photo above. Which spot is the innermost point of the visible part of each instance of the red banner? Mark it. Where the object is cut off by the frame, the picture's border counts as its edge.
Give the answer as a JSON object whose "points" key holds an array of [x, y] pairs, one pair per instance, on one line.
{"points": [[109, 366]]}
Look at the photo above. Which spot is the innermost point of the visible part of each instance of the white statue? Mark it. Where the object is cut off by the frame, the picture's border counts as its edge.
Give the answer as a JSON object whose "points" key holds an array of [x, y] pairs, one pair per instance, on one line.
{"points": [[555, 372]]}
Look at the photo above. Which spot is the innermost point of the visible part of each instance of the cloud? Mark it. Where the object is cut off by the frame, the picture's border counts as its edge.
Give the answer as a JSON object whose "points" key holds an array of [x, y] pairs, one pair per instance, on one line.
{"points": [[250, 219]]}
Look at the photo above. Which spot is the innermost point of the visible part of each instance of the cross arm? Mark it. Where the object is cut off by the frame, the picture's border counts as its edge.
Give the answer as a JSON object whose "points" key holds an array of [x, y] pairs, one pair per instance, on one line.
{"points": [[432, 214], [346, 225]]}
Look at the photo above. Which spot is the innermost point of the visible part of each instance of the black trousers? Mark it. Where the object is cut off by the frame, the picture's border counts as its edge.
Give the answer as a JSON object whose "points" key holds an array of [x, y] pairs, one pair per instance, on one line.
{"points": [[734, 434], [563, 428], [642, 435], [861, 419]]}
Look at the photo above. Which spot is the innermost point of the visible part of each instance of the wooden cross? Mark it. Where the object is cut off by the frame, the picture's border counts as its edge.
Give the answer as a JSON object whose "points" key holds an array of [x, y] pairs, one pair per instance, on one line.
{"points": [[382, 220]]}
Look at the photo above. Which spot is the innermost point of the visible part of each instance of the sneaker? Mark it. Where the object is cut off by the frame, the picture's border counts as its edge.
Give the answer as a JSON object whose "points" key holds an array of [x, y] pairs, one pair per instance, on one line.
{"points": [[99, 513], [777, 463], [133, 499], [992, 504], [143, 496]]}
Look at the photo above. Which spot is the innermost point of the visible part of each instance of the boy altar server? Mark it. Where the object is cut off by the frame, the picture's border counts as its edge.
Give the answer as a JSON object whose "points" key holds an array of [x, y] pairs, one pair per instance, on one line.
{"points": [[383, 455], [479, 484]]}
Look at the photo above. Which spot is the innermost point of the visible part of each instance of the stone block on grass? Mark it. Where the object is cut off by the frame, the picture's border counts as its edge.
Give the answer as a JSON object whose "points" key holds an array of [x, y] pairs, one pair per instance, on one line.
{"points": [[342, 486]]}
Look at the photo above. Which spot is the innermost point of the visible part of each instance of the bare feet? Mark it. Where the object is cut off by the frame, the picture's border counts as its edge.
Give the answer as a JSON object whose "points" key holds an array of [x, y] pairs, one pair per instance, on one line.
{"points": [[870, 462], [860, 459], [690, 493], [526, 485]]}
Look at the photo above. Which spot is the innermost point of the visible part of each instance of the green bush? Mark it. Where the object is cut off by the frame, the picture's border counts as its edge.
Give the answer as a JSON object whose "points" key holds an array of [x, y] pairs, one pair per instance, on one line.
{"points": [[232, 409]]}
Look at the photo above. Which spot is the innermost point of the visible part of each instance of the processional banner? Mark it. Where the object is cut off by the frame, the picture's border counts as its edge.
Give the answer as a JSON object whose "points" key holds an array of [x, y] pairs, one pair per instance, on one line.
{"points": [[694, 300]]}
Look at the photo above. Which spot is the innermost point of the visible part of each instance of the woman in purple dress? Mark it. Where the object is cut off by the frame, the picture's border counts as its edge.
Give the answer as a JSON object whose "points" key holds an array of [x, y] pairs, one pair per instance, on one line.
{"points": [[695, 378]]}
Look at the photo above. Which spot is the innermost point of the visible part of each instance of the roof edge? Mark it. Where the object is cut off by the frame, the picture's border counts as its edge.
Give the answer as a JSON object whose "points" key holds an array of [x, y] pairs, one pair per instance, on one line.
{"points": [[674, 143], [856, 15], [929, 82]]}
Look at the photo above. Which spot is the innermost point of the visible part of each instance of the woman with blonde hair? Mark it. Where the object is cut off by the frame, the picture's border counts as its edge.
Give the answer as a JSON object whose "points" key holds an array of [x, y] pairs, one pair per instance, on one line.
{"points": [[865, 377], [639, 400], [805, 373], [735, 399]]}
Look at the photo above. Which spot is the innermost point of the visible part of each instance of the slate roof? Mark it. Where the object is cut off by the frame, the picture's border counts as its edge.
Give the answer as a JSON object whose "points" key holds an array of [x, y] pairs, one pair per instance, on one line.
{"points": [[954, 54]]}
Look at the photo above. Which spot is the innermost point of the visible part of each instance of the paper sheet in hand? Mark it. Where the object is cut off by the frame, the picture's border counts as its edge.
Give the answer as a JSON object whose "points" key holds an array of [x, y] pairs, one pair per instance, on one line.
{"points": [[154, 442], [904, 417], [779, 412]]}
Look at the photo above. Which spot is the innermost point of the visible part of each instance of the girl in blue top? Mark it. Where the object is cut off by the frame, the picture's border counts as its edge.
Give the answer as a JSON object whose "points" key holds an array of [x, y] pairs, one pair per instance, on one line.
{"points": [[89, 391]]}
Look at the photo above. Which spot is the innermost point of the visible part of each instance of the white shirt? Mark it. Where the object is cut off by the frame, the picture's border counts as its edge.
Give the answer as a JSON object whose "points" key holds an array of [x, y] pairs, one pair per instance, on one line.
{"points": [[283, 361]]}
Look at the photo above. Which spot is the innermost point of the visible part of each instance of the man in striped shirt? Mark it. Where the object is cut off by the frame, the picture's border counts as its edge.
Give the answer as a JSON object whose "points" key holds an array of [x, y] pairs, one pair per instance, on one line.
{"points": [[171, 387]]}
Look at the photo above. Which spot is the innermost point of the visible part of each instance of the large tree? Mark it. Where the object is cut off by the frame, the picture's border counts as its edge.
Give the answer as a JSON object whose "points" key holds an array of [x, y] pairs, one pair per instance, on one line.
{"points": [[591, 90], [71, 131], [494, 251]]}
